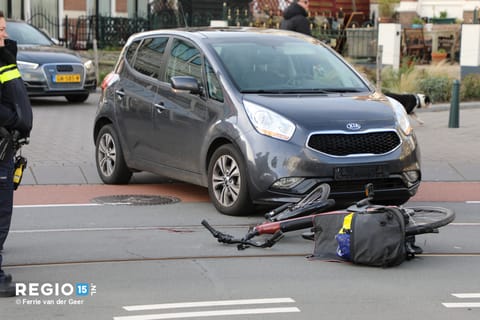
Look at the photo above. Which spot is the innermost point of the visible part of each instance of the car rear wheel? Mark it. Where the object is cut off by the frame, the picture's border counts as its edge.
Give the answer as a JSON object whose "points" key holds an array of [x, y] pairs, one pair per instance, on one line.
{"points": [[109, 159], [227, 182], [77, 97]]}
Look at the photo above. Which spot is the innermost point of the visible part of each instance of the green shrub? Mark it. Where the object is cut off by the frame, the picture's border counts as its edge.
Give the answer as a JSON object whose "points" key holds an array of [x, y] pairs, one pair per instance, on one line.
{"points": [[470, 87], [433, 81], [439, 89], [403, 80]]}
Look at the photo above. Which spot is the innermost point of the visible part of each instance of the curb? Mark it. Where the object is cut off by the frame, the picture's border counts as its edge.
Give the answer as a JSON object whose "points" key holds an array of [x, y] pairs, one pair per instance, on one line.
{"points": [[446, 107]]}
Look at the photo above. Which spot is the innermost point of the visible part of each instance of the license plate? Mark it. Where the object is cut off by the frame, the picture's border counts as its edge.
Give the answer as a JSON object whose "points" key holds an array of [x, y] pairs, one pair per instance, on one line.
{"points": [[67, 78], [361, 172]]}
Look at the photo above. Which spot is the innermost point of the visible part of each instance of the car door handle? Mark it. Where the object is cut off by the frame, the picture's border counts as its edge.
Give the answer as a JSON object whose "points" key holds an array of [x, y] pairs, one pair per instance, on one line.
{"points": [[120, 93], [160, 107]]}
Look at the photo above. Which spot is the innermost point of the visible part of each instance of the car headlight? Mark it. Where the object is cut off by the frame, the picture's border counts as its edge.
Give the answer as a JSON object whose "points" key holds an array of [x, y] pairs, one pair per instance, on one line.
{"points": [[23, 65], [401, 115], [88, 65], [268, 122]]}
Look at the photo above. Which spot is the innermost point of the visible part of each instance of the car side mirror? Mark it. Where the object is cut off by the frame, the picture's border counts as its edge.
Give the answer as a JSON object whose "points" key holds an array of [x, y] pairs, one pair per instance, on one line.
{"points": [[186, 83]]}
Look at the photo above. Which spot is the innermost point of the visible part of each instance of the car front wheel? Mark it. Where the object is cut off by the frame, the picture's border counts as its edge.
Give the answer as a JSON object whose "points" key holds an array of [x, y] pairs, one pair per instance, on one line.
{"points": [[227, 182], [109, 158]]}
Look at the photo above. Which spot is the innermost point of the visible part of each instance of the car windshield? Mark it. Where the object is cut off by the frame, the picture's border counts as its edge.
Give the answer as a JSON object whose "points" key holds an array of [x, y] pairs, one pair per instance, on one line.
{"points": [[25, 34], [286, 65]]}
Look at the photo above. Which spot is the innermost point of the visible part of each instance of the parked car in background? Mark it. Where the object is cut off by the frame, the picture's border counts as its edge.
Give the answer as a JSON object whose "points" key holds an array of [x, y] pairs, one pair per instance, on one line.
{"points": [[48, 69], [256, 115]]}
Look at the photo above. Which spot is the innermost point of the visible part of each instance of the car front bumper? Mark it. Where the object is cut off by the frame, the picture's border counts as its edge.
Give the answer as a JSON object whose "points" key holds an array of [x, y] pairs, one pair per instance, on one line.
{"points": [[395, 175]]}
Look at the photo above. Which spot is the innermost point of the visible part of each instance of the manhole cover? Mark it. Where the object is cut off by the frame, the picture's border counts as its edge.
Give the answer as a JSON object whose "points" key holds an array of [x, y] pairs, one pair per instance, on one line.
{"points": [[135, 200]]}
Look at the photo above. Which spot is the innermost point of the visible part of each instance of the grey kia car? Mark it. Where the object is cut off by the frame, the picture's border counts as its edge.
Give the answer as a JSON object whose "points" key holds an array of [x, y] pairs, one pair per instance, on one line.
{"points": [[258, 116]]}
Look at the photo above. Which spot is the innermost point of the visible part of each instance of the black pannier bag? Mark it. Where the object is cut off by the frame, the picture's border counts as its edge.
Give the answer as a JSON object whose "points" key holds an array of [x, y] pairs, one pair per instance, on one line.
{"points": [[372, 237]]}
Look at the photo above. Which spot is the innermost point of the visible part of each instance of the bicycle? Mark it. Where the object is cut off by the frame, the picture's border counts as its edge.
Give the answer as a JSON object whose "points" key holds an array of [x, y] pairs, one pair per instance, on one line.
{"points": [[298, 216]]}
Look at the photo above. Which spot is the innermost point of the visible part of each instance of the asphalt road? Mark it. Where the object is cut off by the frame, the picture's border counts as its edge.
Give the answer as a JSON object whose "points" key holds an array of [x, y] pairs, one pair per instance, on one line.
{"points": [[88, 261], [147, 262]]}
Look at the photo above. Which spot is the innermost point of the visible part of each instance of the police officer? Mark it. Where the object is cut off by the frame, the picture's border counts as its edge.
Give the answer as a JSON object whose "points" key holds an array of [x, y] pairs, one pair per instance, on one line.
{"points": [[295, 17], [9, 75]]}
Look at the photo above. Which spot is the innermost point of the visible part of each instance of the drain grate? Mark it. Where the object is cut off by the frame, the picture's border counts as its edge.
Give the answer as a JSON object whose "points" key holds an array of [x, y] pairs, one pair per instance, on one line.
{"points": [[135, 200]]}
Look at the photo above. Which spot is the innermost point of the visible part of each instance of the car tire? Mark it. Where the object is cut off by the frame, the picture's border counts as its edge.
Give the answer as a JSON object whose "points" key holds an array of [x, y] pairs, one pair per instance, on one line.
{"points": [[109, 159], [227, 182], [77, 97]]}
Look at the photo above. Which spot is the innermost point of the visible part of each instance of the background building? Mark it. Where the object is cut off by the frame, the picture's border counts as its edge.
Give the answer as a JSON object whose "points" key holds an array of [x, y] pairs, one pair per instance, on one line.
{"points": [[23, 9]]}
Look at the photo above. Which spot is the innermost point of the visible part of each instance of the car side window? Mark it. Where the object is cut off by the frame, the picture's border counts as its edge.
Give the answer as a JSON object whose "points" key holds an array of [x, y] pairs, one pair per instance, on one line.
{"points": [[149, 56], [213, 85], [184, 60], [130, 54]]}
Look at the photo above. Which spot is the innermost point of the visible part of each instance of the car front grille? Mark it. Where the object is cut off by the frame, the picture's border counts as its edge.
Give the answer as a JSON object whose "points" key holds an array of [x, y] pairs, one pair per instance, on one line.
{"points": [[359, 185], [64, 68], [61, 69], [346, 144]]}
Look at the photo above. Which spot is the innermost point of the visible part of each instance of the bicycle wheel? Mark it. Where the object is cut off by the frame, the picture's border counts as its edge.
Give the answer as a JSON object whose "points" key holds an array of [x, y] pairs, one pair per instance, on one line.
{"points": [[427, 219], [305, 210], [319, 194], [315, 201]]}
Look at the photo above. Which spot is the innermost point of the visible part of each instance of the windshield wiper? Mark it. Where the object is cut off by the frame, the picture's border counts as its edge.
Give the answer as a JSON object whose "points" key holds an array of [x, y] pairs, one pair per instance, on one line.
{"points": [[343, 90], [286, 91]]}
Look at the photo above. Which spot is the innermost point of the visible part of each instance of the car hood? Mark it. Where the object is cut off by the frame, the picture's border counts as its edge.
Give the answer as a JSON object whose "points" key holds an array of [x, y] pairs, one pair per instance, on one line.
{"points": [[330, 112], [45, 54]]}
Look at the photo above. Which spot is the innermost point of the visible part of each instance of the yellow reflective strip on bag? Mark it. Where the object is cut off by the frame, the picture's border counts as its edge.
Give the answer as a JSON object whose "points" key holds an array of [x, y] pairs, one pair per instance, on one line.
{"points": [[347, 223], [9, 75]]}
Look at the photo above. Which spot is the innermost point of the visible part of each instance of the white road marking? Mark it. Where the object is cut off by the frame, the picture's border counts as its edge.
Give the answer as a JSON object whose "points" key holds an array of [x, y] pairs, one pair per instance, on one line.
{"points": [[466, 295], [207, 304], [208, 313], [58, 205], [214, 313], [53, 205], [187, 229], [463, 304]]}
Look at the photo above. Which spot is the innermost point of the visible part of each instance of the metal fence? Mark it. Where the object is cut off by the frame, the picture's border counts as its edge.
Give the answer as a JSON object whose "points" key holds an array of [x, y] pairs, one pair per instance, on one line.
{"points": [[112, 32], [47, 23]]}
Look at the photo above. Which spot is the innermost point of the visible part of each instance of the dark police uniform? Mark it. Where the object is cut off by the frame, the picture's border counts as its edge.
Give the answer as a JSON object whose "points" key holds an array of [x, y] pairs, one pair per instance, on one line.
{"points": [[12, 93]]}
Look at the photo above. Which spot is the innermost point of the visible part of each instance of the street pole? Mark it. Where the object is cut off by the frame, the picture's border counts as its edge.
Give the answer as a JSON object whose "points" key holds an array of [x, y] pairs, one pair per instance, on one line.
{"points": [[97, 12], [379, 68], [9, 9], [453, 121]]}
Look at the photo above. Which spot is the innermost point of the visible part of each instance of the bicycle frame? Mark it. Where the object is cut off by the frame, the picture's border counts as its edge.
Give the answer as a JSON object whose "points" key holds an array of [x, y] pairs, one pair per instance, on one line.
{"points": [[278, 228]]}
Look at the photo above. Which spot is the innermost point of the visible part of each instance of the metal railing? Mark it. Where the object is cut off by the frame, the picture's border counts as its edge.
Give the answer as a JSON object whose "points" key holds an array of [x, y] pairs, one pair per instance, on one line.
{"points": [[113, 32]]}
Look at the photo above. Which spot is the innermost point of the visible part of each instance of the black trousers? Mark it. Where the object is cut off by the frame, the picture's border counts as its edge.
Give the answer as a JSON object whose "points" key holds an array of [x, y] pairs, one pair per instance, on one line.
{"points": [[6, 197]]}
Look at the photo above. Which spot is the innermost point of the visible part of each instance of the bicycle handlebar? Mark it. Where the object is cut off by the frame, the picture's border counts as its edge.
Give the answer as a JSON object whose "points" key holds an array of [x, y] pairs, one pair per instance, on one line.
{"points": [[246, 241]]}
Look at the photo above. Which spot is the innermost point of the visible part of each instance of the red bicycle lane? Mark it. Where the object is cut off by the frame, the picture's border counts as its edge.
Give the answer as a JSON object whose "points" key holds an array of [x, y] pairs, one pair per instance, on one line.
{"points": [[82, 194]]}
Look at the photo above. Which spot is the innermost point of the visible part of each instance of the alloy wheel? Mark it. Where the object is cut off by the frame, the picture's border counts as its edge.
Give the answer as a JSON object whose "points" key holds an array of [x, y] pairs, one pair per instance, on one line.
{"points": [[107, 154], [226, 180]]}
